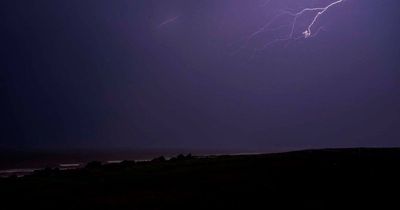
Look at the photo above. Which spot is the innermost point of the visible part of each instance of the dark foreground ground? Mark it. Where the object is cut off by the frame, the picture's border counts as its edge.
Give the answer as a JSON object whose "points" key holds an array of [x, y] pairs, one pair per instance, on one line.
{"points": [[315, 179]]}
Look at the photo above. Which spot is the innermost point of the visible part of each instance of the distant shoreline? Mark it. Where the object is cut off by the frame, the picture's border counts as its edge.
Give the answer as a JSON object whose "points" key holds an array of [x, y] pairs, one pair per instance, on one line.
{"points": [[65, 165]]}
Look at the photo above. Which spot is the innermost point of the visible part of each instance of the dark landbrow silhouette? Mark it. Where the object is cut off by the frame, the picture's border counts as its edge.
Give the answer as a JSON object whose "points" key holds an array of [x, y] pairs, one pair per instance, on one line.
{"points": [[312, 179]]}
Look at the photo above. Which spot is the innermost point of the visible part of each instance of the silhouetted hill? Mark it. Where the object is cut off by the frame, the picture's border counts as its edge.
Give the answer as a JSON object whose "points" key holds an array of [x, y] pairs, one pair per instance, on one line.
{"points": [[315, 179]]}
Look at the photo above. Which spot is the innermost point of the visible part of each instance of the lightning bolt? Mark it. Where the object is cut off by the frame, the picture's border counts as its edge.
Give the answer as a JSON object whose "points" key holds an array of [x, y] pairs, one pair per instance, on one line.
{"points": [[168, 21], [308, 32], [320, 11]]}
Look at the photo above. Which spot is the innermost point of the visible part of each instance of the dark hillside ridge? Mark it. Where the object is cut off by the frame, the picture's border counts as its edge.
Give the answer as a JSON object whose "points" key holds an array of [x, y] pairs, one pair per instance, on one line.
{"points": [[315, 179]]}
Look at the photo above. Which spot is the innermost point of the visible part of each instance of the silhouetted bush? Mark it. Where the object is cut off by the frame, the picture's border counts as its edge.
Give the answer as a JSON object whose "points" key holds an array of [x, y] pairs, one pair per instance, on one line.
{"points": [[47, 171], [159, 159], [128, 163], [182, 157], [93, 165]]}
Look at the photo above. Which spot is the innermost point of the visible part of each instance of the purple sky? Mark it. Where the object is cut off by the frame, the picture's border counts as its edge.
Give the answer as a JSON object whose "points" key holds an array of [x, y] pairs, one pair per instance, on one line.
{"points": [[181, 74]]}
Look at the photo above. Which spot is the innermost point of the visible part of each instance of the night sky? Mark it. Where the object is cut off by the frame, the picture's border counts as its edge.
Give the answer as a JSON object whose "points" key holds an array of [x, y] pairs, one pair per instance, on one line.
{"points": [[145, 74]]}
